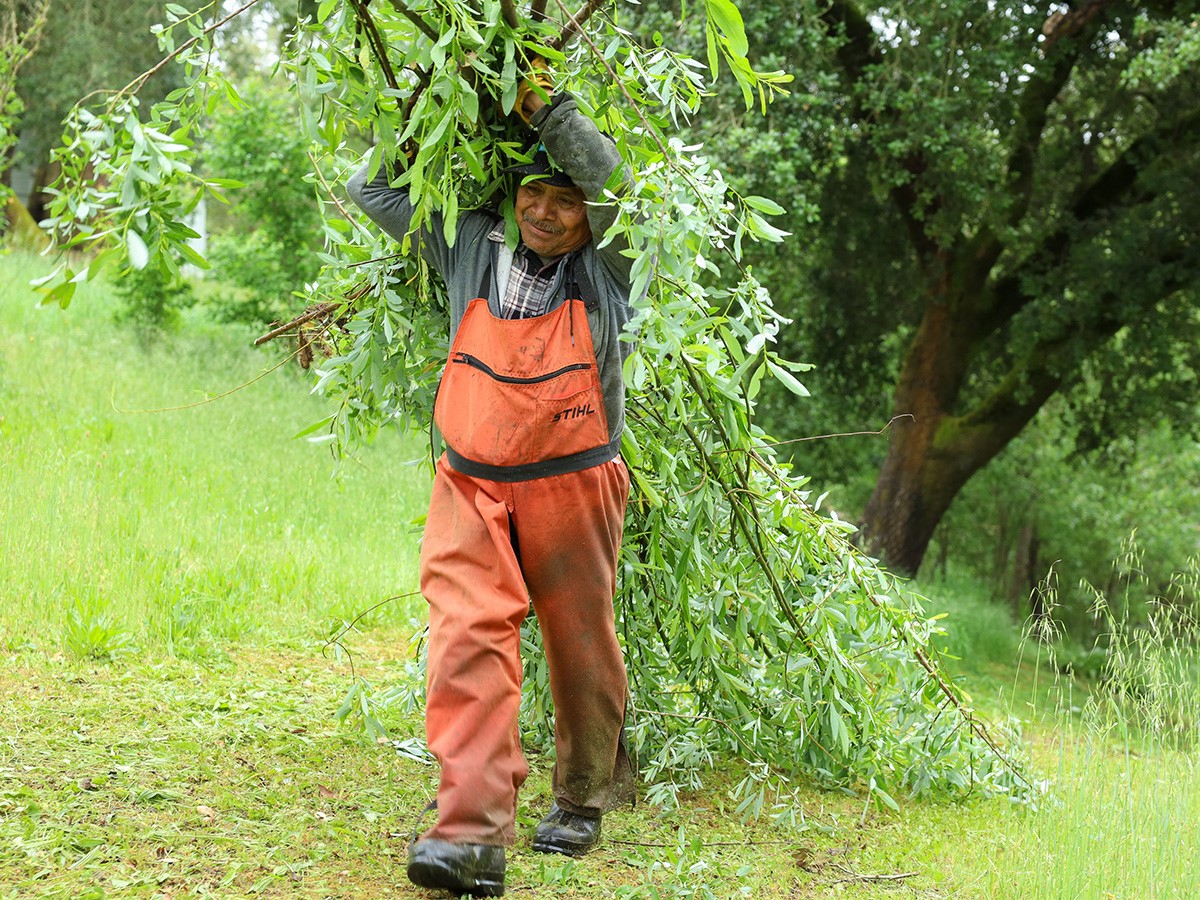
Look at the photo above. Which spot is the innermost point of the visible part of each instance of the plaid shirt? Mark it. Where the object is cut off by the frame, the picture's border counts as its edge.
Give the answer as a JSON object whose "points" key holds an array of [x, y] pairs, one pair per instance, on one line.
{"points": [[529, 282]]}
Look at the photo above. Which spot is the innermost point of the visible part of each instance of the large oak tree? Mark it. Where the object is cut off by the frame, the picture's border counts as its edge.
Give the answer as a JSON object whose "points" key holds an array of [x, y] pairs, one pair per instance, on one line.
{"points": [[991, 200]]}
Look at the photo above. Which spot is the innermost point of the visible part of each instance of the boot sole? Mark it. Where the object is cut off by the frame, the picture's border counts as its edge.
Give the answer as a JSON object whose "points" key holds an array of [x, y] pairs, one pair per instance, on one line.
{"points": [[431, 876]]}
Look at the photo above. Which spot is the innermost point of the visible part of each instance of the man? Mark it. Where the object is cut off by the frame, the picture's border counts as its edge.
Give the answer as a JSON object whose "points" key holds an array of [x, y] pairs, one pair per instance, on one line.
{"points": [[528, 501]]}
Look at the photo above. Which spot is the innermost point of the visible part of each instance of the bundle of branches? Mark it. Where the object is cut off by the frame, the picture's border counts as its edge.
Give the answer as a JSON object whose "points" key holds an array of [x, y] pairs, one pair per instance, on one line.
{"points": [[751, 625]]}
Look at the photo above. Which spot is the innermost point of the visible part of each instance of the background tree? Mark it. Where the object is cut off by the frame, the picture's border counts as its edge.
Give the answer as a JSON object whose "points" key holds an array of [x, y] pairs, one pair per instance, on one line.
{"points": [[992, 205], [265, 242], [20, 33], [87, 45]]}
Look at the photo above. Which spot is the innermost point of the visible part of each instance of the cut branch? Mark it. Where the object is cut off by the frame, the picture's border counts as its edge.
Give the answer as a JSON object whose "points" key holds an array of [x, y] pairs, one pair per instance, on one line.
{"points": [[422, 26], [857, 876], [929, 662], [376, 41], [321, 310], [574, 23], [508, 9]]}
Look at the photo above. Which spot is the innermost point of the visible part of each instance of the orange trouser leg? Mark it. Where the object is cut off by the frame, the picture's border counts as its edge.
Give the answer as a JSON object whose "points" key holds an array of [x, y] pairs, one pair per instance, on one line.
{"points": [[568, 530], [569, 533], [477, 601]]}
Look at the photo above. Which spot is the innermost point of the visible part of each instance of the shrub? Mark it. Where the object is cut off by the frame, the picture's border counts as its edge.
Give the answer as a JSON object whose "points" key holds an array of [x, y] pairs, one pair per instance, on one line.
{"points": [[152, 301]]}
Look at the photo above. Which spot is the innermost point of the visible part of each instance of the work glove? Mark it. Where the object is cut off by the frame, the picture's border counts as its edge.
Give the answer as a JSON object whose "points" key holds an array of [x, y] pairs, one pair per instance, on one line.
{"points": [[537, 81]]}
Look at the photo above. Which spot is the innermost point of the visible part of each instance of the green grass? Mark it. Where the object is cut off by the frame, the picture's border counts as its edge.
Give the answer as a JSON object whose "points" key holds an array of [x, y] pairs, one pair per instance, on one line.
{"points": [[171, 571], [124, 493]]}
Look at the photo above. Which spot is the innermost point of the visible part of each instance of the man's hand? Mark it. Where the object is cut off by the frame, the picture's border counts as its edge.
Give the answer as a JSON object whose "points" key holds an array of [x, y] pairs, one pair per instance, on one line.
{"points": [[529, 93]]}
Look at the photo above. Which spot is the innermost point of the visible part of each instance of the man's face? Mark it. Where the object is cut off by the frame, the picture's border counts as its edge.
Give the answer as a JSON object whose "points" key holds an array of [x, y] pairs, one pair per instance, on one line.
{"points": [[552, 220]]}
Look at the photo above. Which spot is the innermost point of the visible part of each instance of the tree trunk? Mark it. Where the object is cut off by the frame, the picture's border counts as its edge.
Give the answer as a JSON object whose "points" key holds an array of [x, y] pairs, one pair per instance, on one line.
{"points": [[1025, 568], [43, 175], [942, 560], [1000, 550], [20, 231], [934, 452], [915, 485]]}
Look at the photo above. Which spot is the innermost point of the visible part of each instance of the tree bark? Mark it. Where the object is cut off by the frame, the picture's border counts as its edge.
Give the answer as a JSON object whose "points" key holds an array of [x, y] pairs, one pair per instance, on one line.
{"points": [[935, 452], [913, 490], [43, 175], [20, 230], [1025, 568]]}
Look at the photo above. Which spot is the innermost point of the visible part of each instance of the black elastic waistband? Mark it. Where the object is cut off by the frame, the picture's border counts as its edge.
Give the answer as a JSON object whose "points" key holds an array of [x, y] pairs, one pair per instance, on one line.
{"points": [[561, 465]]}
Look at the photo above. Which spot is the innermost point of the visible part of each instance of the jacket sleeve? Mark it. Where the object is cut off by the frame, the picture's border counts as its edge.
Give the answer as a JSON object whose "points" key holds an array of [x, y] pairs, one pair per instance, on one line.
{"points": [[593, 162], [391, 209]]}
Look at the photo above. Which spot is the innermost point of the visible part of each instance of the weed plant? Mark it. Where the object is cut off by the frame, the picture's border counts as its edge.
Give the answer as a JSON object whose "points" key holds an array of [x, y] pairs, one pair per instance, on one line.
{"points": [[1123, 818]]}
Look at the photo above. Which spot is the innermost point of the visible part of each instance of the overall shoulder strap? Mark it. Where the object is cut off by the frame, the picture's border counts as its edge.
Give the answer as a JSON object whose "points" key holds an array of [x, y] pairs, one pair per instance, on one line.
{"points": [[579, 286]]}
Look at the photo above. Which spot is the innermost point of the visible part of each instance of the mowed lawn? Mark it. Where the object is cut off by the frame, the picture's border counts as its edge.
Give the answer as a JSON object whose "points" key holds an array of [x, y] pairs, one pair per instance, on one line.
{"points": [[174, 565]]}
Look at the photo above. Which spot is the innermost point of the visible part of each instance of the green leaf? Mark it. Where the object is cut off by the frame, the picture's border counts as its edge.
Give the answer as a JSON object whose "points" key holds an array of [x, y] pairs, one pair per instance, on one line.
{"points": [[450, 217], [880, 794], [315, 427], [729, 22], [710, 43], [787, 379], [139, 255], [60, 294], [764, 205], [229, 183]]}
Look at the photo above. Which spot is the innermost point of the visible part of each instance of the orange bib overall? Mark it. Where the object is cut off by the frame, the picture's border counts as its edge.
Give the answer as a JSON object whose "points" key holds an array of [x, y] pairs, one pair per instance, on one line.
{"points": [[528, 505]]}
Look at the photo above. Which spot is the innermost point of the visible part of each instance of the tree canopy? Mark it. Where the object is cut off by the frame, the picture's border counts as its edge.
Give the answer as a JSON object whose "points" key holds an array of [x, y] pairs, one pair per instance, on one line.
{"points": [[750, 623], [84, 46], [993, 207]]}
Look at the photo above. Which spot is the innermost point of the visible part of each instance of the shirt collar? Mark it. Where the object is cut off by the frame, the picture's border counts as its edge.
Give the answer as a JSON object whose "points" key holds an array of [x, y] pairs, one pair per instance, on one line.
{"points": [[539, 265]]}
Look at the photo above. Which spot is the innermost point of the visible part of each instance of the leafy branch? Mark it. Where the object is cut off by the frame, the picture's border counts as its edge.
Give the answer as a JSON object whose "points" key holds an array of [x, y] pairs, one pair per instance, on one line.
{"points": [[750, 624]]}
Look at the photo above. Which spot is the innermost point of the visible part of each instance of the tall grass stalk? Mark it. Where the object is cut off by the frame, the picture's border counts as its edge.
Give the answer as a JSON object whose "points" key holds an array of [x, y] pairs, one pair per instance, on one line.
{"points": [[129, 495], [1124, 816]]}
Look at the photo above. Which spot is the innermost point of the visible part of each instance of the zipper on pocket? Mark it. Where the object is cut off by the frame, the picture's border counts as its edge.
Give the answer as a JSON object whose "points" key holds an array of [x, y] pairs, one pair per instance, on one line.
{"points": [[477, 363]]}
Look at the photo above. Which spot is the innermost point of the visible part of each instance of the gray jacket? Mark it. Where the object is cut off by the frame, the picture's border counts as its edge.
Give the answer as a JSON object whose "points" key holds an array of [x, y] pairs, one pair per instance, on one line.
{"points": [[580, 150]]}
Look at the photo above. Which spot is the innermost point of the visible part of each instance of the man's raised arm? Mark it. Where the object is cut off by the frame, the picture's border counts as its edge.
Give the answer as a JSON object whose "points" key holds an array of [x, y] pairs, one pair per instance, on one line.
{"points": [[579, 148]]}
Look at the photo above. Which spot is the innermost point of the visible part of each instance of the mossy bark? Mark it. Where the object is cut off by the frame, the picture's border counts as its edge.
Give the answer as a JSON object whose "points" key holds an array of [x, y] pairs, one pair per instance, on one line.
{"points": [[20, 230], [933, 451]]}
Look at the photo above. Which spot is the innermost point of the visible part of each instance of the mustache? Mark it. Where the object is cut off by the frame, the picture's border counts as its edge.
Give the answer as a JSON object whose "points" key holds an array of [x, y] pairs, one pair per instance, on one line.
{"points": [[544, 226]]}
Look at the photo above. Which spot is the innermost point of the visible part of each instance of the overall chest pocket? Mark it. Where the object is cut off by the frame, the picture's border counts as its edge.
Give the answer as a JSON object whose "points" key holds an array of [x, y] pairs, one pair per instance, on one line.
{"points": [[523, 393]]}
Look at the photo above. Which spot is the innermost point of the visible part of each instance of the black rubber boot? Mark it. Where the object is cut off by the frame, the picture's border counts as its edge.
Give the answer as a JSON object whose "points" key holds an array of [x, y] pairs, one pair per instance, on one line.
{"points": [[567, 833], [475, 869]]}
